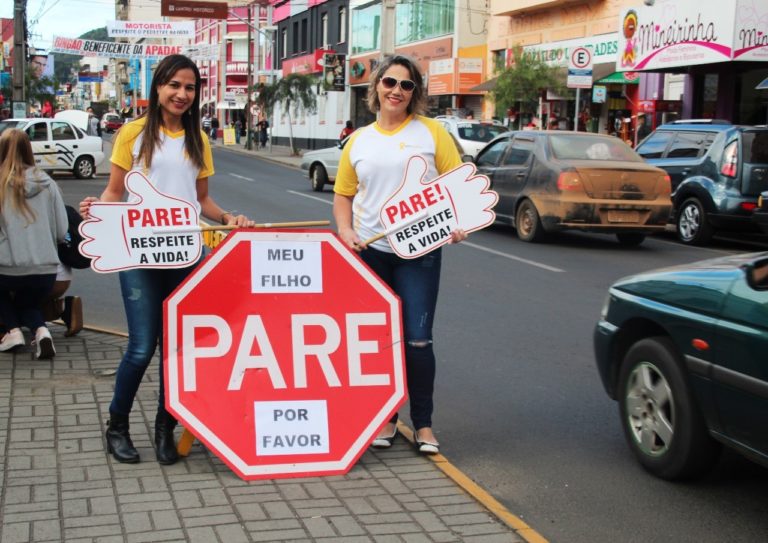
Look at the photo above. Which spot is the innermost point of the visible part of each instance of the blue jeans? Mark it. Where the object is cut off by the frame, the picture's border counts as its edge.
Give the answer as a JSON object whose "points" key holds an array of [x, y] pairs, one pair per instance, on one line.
{"points": [[416, 282], [143, 293], [21, 297]]}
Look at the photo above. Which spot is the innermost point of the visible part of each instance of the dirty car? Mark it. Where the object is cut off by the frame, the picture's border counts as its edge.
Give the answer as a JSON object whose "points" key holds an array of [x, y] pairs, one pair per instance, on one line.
{"points": [[555, 180]]}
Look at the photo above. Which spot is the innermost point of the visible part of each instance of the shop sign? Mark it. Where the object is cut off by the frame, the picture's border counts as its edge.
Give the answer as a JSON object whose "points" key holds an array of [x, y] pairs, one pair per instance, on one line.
{"points": [[151, 29], [599, 93], [751, 35], [362, 66], [306, 64], [679, 33], [604, 49], [454, 76], [334, 72], [194, 9]]}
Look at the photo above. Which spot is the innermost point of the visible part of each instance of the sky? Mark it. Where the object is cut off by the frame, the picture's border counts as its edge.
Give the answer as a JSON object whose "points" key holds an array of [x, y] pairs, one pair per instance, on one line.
{"points": [[66, 18]]}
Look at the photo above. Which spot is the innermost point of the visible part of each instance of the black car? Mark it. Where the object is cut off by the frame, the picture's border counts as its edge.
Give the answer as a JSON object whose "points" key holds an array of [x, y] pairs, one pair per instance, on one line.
{"points": [[717, 169], [683, 352], [556, 180]]}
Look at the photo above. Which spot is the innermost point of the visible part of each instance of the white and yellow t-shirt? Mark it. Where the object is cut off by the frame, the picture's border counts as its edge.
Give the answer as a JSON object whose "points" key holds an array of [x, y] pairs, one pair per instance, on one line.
{"points": [[171, 172], [373, 163]]}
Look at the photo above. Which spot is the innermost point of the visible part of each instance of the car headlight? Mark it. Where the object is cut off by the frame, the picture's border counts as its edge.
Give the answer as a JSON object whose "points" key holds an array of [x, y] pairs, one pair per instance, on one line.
{"points": [[606, 305]]}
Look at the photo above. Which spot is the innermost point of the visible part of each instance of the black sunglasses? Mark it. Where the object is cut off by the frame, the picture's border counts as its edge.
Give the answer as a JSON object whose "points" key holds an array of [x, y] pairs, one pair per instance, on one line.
{"points": [[390, 83]]}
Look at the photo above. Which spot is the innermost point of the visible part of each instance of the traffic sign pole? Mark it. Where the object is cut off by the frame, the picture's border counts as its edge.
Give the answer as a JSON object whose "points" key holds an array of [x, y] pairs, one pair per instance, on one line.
{"points": [[576, 114]]}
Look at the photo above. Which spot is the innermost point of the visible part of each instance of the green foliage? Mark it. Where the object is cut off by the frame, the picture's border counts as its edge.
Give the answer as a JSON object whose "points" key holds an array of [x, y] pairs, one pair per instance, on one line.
{"points": [[293, 92], [523, 82]]}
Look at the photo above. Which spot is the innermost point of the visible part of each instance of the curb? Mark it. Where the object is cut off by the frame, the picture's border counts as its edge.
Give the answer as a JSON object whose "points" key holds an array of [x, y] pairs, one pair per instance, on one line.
{"points": [[244, 152]]}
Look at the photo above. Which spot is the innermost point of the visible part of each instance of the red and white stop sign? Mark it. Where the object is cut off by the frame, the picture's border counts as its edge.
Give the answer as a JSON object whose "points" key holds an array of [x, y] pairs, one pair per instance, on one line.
{"points": [[284, 354]]}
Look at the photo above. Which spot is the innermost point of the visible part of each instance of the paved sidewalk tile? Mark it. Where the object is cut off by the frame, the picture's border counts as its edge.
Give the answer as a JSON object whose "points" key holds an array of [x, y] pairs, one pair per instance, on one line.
{"points": [[58, 484]]}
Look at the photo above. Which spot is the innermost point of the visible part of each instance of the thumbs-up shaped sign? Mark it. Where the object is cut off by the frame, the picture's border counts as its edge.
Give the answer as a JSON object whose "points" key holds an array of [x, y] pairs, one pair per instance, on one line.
{"points": [[119, 235], [459, 198]]}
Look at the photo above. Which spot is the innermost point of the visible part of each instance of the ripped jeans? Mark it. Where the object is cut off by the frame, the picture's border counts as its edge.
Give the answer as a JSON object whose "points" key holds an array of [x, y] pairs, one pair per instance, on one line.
{"points": [[416, 282], [143, 293]]}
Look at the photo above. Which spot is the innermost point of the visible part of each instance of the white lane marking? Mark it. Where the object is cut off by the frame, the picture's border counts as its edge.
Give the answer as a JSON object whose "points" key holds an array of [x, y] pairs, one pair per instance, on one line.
{"points": [[511, 257], [241, 177], [463, 243], [311, 197]]}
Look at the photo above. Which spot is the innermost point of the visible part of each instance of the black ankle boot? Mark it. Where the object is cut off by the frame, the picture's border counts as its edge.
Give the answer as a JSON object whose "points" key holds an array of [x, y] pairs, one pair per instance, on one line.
{"points": [[165, 446], [119, 442]]}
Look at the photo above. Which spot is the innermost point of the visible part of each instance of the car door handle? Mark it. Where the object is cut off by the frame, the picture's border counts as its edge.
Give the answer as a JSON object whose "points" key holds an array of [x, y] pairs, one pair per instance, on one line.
{"points": [[47, 146], [520, 175], [74, 147]]}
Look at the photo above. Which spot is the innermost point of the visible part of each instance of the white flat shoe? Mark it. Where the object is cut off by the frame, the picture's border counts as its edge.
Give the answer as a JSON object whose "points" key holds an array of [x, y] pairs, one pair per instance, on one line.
{"points": [[11, 340], [384, 442]]}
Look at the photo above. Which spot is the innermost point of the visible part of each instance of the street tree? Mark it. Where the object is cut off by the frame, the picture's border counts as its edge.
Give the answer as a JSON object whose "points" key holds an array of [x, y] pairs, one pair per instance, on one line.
{"points": [[294, 93], [522, 83]]}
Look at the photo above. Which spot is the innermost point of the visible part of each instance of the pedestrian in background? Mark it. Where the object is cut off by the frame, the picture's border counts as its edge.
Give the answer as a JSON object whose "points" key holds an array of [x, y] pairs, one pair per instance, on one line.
{"points": [[263, 136], [238, 128], [206, 122], [214, 128], [168, 146], [380, 153], [347, 130], [33, 221], [94, 127]]}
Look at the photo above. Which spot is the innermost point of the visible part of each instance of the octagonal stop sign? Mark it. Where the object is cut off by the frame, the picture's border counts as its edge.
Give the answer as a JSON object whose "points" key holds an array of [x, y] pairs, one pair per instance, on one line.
{"points": [[283, 354]]}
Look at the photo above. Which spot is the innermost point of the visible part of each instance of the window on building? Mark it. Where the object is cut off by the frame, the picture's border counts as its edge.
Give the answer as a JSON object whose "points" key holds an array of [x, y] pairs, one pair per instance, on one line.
{"points": [[239, 50], [423, 19], [284, 41], [295, 48], [324, 41], [367, 24], [342, 25], [304, 36]]}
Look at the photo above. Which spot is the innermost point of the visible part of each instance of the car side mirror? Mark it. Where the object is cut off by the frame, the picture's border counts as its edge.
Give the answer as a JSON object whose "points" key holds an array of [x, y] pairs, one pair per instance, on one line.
{"points": [[467, 158], [757, 275]]}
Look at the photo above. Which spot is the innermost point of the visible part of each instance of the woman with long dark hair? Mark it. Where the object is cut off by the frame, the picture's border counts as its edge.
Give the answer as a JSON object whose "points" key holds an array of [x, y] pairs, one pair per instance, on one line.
{"points": [[168, 146]]}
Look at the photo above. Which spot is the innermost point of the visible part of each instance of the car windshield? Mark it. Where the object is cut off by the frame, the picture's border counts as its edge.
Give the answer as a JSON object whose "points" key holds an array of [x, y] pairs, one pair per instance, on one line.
{"points": [[479, 132], [8, 124], [584, 147]]}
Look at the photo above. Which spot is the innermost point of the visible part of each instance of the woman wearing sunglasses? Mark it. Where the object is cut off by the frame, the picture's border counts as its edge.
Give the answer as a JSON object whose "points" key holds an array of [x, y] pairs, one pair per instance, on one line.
{"points": [[372, 166]]}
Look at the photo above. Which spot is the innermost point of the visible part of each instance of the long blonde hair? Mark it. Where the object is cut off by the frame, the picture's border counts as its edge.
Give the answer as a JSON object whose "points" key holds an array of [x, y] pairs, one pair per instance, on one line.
{"points": [[15, 158]]}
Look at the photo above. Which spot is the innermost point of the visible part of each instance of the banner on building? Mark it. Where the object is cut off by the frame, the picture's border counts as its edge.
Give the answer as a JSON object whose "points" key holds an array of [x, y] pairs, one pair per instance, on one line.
{"points": [[151, 29], [90, 48], [334, 73]]}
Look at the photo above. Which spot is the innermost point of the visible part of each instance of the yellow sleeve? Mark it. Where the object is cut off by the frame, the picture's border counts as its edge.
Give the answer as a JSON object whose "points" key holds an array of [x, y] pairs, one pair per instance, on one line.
{"points": [[122, 147], [446, 155], [346, 176], [207, 170]]}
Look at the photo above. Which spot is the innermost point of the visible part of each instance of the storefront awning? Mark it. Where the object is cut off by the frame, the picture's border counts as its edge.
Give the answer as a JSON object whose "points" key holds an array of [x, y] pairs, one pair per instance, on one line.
{"points": [[763, 85], [623, 78], [227, 104], [485, 86]]}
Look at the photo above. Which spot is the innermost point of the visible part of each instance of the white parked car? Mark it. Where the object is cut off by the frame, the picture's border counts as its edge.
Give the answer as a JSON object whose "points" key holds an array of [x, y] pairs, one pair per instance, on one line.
{"points": [[471, 134], [322, 164], [60, 145]]}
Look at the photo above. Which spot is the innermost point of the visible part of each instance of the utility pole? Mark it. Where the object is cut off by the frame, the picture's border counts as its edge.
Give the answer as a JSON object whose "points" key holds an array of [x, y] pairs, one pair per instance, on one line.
{"points": [[19, 97], [388, 27], [248, 84]]}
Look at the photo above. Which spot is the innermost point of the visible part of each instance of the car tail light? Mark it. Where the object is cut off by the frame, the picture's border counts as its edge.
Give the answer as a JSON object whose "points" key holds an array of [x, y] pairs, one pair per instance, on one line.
{"points": [[569, 181], [666, 185], [731, 160], [748, 206]]}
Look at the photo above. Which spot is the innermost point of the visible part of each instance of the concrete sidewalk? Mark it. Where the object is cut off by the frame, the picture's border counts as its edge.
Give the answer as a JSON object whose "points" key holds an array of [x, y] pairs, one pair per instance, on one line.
{"points": [[275, 153], [58, 484]]}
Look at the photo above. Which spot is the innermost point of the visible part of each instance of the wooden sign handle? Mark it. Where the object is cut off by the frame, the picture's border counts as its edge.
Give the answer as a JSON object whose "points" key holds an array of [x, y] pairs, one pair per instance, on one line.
{"points": [[295, 224]]}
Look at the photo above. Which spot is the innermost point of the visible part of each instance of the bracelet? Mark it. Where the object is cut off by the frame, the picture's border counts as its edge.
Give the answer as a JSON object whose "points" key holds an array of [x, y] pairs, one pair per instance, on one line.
{"points": [[221, 220]]}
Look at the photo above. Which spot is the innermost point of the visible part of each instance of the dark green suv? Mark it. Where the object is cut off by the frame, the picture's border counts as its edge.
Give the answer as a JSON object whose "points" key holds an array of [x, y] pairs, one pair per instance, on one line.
{"points": [[717, 170]]}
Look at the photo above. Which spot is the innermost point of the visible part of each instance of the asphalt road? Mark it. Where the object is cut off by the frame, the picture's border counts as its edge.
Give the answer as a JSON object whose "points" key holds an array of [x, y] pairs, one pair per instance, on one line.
{"points": [[520, 407]]}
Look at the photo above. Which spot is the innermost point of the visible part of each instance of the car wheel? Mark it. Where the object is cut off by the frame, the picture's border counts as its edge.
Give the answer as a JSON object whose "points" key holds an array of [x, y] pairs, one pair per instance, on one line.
{"points": [[693, 227], [661, 421], [84, 168], [319, 178], [528, 223], [630, 239]]}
